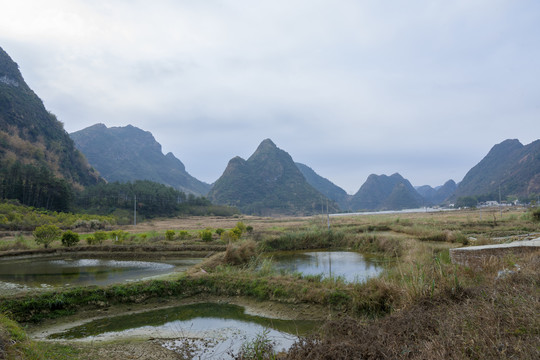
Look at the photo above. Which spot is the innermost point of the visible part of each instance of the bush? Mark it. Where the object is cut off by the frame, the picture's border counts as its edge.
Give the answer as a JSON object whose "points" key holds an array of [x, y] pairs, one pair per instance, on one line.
{"points": [[99, 237], [240, 225], [118, 236], [220, 231], [169, 235], [183, 234], [206, 235], [235, 233], [249, 229], [46, 234], [536, 214], [70, 238]]}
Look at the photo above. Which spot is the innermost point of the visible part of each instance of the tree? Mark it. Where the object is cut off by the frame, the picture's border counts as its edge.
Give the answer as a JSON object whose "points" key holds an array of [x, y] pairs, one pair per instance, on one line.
{"points": [[70, 238], [46, 234]]}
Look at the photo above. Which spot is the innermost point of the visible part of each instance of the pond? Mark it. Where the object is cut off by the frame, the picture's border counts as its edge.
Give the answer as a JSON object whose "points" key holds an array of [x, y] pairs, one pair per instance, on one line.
{"points": [[350, 265], [202, 331], [83, 272]]}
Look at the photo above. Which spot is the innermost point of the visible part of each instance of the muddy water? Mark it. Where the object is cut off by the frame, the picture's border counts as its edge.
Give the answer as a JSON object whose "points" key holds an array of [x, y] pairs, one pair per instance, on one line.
{"points": [[351, 266], [49, 272], [203, 330]]}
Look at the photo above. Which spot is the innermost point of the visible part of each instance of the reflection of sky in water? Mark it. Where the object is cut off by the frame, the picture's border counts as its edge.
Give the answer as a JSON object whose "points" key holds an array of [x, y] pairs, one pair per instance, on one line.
{"points": [[58, 272], [351, 266], [209, 330]]}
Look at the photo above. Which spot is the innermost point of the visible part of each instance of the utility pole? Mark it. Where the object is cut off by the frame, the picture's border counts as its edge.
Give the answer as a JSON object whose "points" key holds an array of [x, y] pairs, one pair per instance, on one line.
{"points": [[327, 215], [134, 210], [500, 203]]}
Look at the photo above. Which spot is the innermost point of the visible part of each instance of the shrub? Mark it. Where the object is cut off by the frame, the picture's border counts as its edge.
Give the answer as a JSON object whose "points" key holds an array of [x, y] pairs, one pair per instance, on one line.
{"points": [[240, 225], [235, 233], [183, 234], [118, 236], [46, 234], [100, 236], [220, 231], [536, 214], [169, 235], [70, 238], [249, 229], [206, 235]]}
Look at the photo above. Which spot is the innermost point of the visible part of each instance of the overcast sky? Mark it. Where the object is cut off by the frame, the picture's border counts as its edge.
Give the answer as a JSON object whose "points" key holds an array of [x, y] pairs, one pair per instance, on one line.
{"points": [[347, 87]]}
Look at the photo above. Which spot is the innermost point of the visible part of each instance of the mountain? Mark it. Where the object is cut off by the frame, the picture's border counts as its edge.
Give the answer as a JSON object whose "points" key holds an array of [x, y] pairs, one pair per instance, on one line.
{"points": [[436, 196], [268, 183], [510, 165], [129, 153], [381, 192], [39, 164], [325, 186]]}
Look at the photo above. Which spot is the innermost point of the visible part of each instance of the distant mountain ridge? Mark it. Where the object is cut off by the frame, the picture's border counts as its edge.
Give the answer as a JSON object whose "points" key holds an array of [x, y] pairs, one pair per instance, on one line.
{"points": [[439, 194], [382, 192], [267, 183], [509, 166], [325, 186], [129, 153]]}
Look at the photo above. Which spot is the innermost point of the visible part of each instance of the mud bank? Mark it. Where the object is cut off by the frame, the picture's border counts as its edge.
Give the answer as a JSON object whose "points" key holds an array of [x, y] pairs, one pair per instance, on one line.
{"points": [[135, 252]]}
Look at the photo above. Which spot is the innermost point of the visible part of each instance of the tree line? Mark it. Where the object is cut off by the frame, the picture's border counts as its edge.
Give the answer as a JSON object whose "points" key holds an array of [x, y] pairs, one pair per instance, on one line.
{"points": [[38, 187]]}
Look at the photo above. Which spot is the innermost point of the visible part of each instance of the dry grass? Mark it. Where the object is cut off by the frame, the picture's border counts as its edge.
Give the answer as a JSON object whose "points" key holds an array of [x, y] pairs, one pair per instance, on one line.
{"points": [[496, 320]]}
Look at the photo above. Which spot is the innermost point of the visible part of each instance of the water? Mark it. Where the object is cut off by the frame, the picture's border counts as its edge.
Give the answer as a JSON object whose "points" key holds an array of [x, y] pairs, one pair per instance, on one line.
{"points": [[205, 331], [351, 266], [83, 272], [404, 211]]}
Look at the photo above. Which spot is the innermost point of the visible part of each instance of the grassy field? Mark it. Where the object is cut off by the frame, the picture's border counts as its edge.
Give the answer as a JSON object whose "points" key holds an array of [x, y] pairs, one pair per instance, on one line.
{"points": [[422, 306]]}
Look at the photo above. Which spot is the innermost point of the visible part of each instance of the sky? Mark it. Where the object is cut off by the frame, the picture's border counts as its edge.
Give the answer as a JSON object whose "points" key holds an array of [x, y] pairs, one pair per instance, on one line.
{"points": [[347, 87]]}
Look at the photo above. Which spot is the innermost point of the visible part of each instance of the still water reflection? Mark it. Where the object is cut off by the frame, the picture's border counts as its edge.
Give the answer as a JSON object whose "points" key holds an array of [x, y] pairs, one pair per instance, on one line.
{"points": [[206, 330], [65, 272], [352, 266]]}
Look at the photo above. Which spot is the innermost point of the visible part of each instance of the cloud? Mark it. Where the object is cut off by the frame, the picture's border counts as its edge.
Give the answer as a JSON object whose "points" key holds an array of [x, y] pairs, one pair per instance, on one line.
{"points": [[349, 88]]}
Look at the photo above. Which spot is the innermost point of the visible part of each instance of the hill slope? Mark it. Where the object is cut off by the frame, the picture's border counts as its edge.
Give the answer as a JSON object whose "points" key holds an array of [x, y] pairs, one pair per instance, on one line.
{"points": [[129, 153], [438, 195], [381, 192], [510, 165], [38, 160], [268, 183], [325, 186]]}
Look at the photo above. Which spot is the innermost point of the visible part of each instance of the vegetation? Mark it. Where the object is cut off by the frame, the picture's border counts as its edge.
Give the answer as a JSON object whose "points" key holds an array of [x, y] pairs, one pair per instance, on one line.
{"points": [[70, 238], [169, 235], [140, 157], [381, 192], [39, 165], [206, 235], [46, 234], [422, 306], [268, 183], [152, 200], [509, 168], [14, 216]]}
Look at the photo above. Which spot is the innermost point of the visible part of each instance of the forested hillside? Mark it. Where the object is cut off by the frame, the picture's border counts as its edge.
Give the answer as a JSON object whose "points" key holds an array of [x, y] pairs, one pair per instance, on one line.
{"points": [[510, 167], [381, 192], [128, 153], [268, 183], [39, 165]]}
